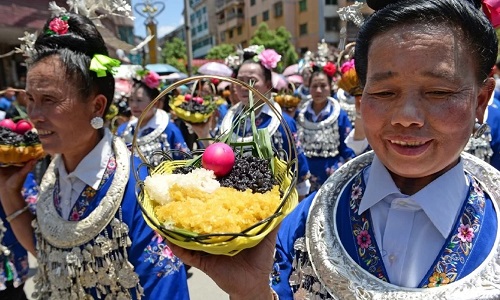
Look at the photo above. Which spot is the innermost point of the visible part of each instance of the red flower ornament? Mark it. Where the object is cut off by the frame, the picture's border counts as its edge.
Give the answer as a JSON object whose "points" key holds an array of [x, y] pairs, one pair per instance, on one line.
{"points": [[329, 69], [58, 25]]}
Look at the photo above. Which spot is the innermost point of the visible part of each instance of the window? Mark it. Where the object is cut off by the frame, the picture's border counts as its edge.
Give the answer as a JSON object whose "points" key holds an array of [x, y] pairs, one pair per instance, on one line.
{"points": [[331, 2], [193, 31], [230, 33], [265, 16], [278, 9], [252, 2], [303, 29], [331, 24], [199, 28], [253, 21], [222, 36], [204, 9], [302, 5], [239, 30], [205, 25]]}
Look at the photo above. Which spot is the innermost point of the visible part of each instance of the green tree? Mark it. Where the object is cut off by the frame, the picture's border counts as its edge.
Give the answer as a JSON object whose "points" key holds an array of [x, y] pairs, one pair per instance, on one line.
{"points": [[278, 40], [174, 53], [220, 51]]}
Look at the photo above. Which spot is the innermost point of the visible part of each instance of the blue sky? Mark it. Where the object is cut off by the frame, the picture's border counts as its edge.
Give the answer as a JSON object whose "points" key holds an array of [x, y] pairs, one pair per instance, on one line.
{"points": [[168, 19]]}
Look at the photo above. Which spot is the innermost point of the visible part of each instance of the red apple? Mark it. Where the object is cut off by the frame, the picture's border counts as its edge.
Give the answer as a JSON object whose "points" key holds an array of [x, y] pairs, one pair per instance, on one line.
{"points": [[23, 126], [8, 123]]}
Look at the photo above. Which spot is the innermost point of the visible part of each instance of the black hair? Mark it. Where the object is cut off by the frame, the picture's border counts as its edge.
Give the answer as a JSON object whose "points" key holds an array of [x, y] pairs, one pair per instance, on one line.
{"points": [[317, 71], [248, 59], [75, 50], [459, 15], [151, 93]]}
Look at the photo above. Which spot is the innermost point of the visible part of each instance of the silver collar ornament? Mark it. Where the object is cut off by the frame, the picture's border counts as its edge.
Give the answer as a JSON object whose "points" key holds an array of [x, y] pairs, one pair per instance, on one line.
{"points": [[319, 139], [96, 254]]}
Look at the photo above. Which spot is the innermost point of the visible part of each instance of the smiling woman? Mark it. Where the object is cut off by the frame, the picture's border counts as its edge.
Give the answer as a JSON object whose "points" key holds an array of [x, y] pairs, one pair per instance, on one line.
{"points": [[91, 240]]}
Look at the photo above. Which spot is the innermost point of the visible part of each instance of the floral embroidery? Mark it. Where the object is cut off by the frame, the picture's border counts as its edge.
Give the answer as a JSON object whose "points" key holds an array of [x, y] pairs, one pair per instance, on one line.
{"points": [[465, 233], [368, 254], [459, 245], [364, 239], [87, 196], [438, 279], [161, 256]]}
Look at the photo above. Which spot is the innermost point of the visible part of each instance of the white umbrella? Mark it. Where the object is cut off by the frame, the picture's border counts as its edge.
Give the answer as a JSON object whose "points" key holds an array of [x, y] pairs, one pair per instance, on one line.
{"points": [[291, 70], [215, 68]]}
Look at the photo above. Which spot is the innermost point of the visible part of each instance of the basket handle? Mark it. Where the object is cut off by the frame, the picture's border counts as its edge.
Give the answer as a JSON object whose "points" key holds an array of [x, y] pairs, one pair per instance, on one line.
{"points": [[291, 143]]}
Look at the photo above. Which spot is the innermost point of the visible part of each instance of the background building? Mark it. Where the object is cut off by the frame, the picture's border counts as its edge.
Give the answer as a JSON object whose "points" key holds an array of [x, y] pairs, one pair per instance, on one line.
{"points": [[203, 26], [30, 16]]}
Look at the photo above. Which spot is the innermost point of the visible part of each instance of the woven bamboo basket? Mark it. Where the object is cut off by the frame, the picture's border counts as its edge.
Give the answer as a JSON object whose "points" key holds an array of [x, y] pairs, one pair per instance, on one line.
{"points": [[225, 243]]}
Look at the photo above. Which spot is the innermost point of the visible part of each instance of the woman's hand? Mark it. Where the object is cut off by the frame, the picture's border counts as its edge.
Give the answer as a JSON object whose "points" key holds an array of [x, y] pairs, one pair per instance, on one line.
{"points": [[243, 276], [12, 178], [202, 130]]}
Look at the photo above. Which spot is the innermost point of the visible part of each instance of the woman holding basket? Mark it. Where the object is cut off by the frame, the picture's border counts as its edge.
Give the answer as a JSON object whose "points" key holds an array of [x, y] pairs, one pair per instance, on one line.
{"points": [[156, 132], [256, 70], [90, 238], [415, 218]]}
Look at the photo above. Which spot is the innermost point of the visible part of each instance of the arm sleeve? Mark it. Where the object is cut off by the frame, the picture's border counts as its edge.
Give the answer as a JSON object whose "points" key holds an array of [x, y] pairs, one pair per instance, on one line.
{"points": [[345, 128]]}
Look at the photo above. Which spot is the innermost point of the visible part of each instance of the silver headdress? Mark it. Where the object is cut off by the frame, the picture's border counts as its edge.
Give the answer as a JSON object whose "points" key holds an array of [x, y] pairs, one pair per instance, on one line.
{"points": [[349, 13], [87, 8]]}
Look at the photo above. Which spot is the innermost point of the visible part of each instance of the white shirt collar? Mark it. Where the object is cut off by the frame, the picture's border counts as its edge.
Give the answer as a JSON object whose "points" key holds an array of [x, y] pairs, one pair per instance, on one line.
{"points": [[441, 200], [154, 122], [325, 111], [96, 159]]}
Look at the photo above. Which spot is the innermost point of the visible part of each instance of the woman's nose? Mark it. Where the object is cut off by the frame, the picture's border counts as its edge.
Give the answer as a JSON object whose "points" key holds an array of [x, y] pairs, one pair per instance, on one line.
{"points": [[408, 111]]}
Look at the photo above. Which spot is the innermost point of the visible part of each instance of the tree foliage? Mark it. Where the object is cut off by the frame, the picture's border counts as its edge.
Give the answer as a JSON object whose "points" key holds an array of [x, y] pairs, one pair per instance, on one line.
{"points": [[174, 53], [279, 40], [220, 51]]}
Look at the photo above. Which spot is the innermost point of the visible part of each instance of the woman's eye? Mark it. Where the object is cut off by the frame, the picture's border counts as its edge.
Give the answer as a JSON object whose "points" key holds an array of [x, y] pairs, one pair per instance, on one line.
{"points": [[385, 94]]}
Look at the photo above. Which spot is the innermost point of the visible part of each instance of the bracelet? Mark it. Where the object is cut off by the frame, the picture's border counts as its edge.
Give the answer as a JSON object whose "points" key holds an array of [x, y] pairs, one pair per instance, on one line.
{"points": [[275, 295], [16, 214]]}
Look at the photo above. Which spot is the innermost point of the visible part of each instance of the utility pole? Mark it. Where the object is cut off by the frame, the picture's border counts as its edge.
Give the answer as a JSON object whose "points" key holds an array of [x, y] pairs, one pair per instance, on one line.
{"points": [[189, 46]]}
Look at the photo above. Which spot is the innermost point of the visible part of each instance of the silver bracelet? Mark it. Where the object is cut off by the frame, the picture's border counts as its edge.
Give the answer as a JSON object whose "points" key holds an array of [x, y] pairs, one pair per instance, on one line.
{"points": [[16, 214], [275, 295]]}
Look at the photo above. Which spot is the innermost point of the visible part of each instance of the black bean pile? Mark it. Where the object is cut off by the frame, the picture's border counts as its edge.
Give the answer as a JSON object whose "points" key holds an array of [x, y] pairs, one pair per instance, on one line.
{"points": [[250, 173], [9, 137], [195, 107]]}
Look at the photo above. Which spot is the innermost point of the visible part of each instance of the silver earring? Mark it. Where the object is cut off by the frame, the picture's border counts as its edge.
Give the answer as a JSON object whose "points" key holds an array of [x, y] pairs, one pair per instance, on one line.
{"points": [[479, 130], [97, 122]]}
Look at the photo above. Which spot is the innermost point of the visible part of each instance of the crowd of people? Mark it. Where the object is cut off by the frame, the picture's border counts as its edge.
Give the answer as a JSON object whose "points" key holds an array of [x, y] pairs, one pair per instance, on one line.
{"points": [[414, 218]]}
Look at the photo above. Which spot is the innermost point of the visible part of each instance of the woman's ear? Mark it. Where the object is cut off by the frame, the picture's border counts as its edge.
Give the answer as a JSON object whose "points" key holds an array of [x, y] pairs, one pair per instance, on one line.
{"points": [[484, 97], [99, 104]]}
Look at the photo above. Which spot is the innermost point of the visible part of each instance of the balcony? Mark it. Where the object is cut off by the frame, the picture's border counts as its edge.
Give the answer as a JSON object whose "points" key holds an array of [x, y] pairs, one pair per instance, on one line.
{"points": [[231, 21], [223, 4]]}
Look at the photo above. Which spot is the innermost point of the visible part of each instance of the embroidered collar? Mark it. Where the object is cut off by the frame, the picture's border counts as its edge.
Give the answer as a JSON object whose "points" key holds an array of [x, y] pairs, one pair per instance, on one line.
{"points": [[323, 113], [96, 159], [227, 122], [159, 123], [451, 188]]}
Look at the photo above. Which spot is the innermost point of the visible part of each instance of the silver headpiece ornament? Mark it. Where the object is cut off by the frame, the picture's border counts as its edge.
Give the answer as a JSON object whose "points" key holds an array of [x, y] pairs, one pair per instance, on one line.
{"points": [[86, 8], [349, 13]]}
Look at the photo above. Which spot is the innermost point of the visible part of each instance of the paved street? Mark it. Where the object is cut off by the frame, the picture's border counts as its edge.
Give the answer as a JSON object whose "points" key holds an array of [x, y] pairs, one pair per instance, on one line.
{"points": [[201, 287]]}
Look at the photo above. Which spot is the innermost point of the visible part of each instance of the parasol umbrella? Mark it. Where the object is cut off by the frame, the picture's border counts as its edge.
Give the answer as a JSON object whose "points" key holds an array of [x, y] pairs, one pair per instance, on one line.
{"points": [[295, 79], [223, 85], [215, 68], [174, 76], [291, 70], [162, 69], [279, 81]]}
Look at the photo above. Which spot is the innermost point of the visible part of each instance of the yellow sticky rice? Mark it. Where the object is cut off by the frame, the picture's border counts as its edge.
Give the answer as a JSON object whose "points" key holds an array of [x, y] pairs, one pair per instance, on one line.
{"points": [[225, 210]]}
